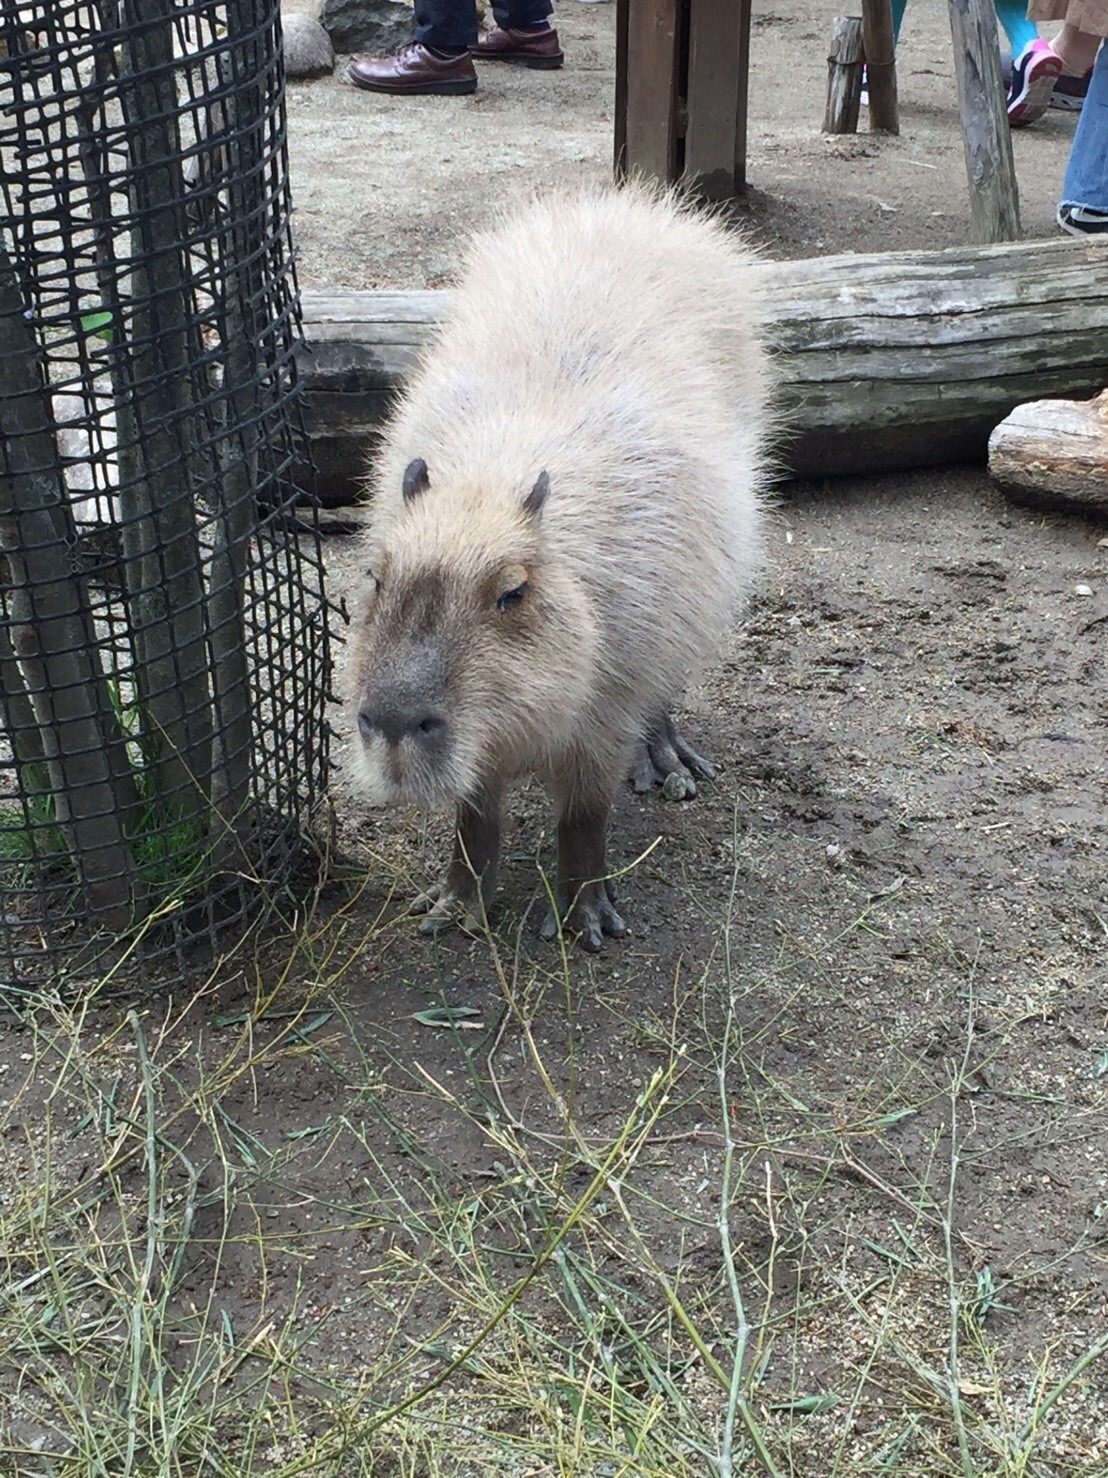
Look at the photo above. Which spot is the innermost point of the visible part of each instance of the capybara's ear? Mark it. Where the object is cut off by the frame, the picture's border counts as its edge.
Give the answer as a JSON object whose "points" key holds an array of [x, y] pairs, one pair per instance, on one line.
{"points": [[416, 480], [532, 504]]}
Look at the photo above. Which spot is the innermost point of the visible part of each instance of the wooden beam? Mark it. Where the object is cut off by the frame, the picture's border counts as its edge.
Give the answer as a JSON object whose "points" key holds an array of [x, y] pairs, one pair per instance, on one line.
{"points": [[619, 160], [886, 361], [647, 133], [716, 91], [994, 197]]}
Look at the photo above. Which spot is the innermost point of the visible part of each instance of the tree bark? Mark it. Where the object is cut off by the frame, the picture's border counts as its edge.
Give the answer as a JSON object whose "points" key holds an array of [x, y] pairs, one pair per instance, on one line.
{"points": [[161, 439], [52, 673], [880, 51]]}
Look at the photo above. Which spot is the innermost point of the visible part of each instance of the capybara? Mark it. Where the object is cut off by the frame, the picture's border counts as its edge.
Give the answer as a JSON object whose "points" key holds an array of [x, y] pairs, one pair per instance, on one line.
{"points": [[567, 511]]}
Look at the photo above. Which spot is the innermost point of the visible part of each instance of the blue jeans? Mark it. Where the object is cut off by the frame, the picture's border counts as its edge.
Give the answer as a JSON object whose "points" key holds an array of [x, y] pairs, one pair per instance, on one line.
{"points": [[1086, 181], [452, 23]]}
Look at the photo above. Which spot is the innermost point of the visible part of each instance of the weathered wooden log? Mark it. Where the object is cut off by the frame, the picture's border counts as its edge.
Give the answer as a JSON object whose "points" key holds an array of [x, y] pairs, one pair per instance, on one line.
{"points": [[844, 76], [887, 361], [994, 198], [1054, 452], [880, 53]]}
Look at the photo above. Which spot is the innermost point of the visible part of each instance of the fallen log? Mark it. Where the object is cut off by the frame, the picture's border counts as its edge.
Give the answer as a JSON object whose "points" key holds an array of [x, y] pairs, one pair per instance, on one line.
{"points": [[1054, 452], [887, 361]]}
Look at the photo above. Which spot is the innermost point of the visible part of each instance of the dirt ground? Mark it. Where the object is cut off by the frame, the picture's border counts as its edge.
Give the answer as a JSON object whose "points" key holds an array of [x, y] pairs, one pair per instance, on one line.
{"points": [[904, 855], [864, 987], [382, 186]]}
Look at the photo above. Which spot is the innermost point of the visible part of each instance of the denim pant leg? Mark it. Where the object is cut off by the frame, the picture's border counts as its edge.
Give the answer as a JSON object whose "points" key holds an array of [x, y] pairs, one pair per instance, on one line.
{"points": [[1086, 181], [448, 23], [516, 13]]}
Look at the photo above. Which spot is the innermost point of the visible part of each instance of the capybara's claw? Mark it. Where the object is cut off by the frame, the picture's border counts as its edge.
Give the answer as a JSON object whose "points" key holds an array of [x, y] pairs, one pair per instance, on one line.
{"points": [[429, 900], [591, 917], [442, 910]]}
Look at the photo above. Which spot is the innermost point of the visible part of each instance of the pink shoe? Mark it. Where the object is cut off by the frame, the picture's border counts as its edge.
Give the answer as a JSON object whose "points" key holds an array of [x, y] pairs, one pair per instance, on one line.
{"points": [[1034, 73]]}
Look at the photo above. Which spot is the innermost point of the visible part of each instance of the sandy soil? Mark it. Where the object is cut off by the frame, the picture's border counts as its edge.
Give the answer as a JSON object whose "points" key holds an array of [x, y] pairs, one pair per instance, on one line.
{"points": [[911, 730], [382, 186]]}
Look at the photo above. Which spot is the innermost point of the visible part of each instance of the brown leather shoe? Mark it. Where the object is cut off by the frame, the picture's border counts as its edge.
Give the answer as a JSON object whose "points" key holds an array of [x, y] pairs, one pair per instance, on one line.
{"points": [[414, 69], [526, 48]]}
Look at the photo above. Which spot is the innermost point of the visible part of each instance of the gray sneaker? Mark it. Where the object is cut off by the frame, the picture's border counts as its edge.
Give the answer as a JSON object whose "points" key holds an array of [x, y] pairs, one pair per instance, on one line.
{"points": [[1082, 220], [1069, 92]]}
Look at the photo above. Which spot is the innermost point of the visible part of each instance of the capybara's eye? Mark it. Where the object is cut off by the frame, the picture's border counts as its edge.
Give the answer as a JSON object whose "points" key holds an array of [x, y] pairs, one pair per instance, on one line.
{"points": [[511, 597]]}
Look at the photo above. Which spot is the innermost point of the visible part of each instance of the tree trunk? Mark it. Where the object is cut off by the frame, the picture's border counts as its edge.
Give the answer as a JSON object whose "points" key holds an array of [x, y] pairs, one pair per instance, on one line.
{"points": [[160, 434], [52, 674], [880, 50]]}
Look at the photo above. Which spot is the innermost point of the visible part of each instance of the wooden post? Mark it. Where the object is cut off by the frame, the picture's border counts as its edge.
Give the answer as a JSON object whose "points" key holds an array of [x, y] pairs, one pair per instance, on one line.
{"points": [[646, 37], [994, 197], [880, 52], [844, 76], [716, 93], [619, 160]]}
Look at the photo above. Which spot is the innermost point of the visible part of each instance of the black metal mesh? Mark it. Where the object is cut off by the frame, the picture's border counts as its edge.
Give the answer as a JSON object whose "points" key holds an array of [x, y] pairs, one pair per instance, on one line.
{"points": [[164, 645]]}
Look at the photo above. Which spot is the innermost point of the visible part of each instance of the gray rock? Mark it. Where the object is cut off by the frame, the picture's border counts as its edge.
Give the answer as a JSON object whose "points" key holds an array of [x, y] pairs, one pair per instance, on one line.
{"points": [[377, 27], [307, 47]]}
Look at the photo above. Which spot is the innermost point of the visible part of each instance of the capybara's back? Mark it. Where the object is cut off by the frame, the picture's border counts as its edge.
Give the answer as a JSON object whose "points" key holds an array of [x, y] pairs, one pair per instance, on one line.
{"points": [[591, 419]]}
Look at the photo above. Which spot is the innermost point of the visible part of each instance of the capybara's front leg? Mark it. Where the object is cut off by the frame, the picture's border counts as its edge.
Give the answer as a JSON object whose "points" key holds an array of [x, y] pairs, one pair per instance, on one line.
{"points": [[471, 878], [584, 897]]}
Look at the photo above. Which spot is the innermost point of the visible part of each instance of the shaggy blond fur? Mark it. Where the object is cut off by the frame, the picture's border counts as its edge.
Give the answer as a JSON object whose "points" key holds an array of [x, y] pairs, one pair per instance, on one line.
{"points": [[609, 338]]}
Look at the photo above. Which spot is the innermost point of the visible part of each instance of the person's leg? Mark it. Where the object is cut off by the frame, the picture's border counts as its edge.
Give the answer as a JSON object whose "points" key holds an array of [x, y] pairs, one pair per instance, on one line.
{"points": [[436, 60], [522, 35], [446, 25], [1086, 178], [1012, 15], [1036, 67], [522, 15], [1077, 49]]}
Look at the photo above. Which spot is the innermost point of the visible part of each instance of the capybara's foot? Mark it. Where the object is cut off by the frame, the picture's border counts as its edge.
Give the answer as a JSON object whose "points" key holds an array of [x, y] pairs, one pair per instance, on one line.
{"points": [[667, 759], [443, 909], [590, 916]]}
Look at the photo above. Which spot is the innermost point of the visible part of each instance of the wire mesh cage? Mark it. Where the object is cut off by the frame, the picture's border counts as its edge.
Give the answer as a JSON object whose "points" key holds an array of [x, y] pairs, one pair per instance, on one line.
{"points": [[164, 641]]}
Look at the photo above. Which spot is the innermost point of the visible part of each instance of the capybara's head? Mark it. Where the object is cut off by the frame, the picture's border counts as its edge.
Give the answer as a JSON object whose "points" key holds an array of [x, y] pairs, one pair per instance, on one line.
{"points": [[474, 646]]}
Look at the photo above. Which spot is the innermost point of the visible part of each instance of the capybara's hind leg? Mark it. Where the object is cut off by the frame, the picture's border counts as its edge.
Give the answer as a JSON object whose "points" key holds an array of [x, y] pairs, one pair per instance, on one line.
{"points": [[584, 897], [664, 757], [471, 878]]}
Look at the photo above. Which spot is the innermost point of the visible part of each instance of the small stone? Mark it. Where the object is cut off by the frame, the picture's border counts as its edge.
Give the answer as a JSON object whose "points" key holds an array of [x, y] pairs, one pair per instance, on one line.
{"points": [[1082, 590], [678, 786], [1102, 543], [307, 47]]}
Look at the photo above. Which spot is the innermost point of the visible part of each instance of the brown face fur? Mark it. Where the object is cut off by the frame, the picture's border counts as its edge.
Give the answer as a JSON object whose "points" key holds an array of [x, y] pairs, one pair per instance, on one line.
{"points": [[470, 651]]}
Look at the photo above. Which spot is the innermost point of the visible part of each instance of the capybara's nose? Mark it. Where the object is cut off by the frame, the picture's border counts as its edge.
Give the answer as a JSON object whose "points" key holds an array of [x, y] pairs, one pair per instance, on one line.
{"points": [[396, 719]]}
